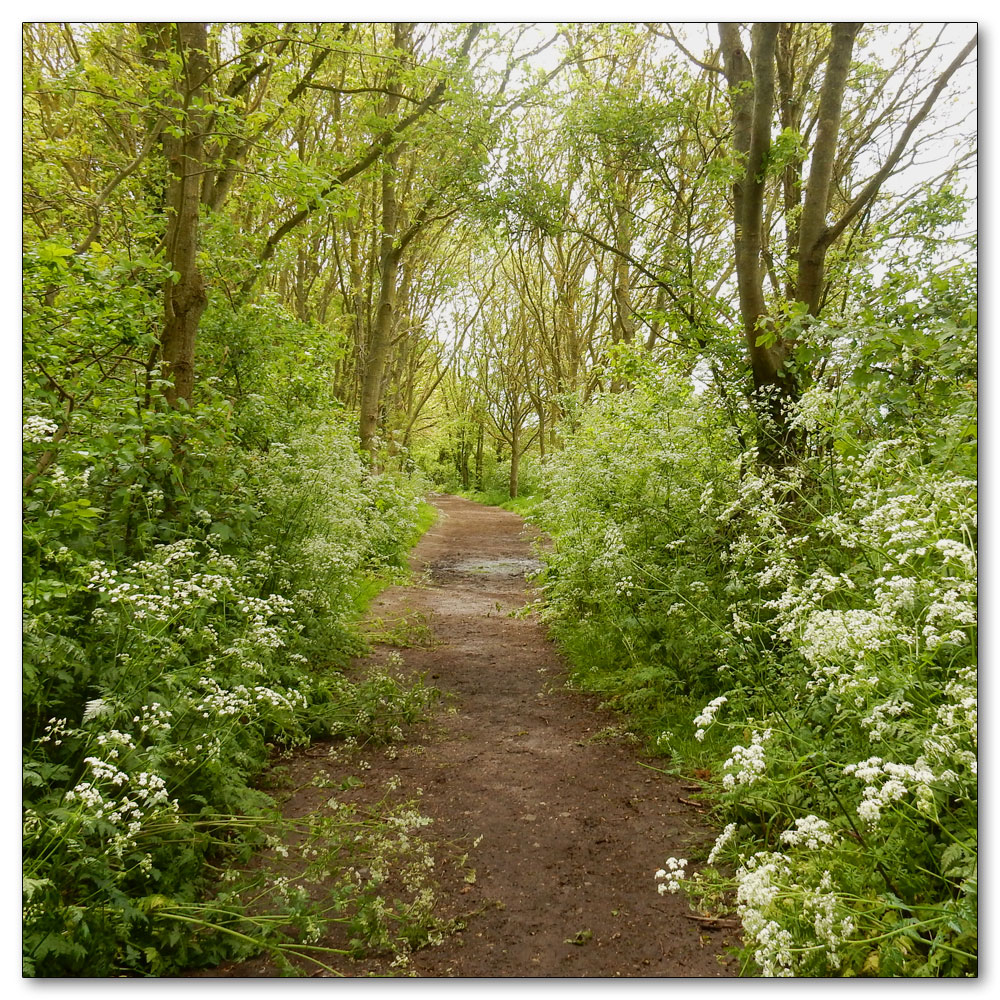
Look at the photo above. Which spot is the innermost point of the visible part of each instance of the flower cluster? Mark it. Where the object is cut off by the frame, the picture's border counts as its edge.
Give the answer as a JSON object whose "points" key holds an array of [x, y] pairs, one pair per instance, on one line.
{"points": [[747, 764], [155, 593], [759, 883], [886, 782], [707, 716], [125, 801], [765, 883], [38, 430], [241, 701], [810, 831], [831, 925], [671, 876], [720, 842]]}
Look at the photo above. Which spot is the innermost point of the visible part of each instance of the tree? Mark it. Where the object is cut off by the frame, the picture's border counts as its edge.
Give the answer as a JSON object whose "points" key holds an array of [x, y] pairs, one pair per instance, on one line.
{"points": [[504, 354], [815, 219], [182, 51]]}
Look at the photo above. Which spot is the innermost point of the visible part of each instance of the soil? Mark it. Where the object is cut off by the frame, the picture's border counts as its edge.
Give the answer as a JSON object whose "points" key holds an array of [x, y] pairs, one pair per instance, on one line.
{"points": [[573, 826]]}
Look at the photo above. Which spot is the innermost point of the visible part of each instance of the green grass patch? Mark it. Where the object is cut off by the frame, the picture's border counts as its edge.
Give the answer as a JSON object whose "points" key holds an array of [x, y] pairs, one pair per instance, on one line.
{"points": [[525, 504], [369, 585], [427, 515], [645, 694]]}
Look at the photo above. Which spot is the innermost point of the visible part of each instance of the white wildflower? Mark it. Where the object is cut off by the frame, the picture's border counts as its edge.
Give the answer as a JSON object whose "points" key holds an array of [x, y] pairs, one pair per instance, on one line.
{"points": [[38, 430], [809, 830], [746, 765], [673, 875], [720, 841], [707, 716]]}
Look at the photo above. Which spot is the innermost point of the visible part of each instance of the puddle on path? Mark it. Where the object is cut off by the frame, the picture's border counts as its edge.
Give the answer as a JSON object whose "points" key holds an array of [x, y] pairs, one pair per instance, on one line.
{"points": [[495, 568]]}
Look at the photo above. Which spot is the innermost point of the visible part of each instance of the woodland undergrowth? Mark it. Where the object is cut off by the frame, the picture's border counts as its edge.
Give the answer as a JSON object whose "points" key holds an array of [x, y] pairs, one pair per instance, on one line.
{"points": [[190, 608], [801, 640], [270, 270]]}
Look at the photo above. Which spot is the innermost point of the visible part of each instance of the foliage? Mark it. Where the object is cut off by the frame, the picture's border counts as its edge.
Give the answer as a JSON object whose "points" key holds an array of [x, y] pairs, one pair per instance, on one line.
{"points": [[248, 245], [824, 617], [160, 672], [624, 579]]}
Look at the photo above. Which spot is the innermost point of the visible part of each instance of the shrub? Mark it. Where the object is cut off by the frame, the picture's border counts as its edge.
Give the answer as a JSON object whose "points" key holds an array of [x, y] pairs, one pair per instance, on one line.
{"points": [[626, 576], [824, 619], [160, 673]]}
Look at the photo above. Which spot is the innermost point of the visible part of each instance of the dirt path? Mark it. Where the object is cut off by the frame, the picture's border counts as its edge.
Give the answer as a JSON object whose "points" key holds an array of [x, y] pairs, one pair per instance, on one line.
{"points": [[572, 827]]}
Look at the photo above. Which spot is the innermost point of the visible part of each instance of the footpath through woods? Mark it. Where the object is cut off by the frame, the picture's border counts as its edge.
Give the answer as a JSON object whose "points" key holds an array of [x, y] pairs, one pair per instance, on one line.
{"points": [[572, 826]]}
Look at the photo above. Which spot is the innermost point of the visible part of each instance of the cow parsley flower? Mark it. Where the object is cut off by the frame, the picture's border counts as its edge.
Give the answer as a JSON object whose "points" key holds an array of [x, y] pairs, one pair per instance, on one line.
{"points": [[720, 841], [707, 716], [673, 875], [38, 430], [809, 830], [746, 765]]}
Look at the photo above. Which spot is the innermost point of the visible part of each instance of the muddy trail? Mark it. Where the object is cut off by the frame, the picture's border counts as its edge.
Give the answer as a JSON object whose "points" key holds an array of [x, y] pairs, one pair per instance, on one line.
{"points": [[545, 792]]}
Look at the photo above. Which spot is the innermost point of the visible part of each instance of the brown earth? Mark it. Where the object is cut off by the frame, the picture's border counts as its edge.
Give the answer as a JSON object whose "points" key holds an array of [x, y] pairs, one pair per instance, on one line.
{"points": [[573, 827]]}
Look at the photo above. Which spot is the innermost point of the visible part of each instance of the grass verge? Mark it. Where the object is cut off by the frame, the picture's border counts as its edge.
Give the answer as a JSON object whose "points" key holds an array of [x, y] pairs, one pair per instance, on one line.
{"points": [[370, 584], [525, 505]]}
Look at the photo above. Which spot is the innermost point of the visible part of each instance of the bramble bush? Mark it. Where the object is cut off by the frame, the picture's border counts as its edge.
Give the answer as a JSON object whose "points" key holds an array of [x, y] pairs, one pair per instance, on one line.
{"points": [[804, 639]]}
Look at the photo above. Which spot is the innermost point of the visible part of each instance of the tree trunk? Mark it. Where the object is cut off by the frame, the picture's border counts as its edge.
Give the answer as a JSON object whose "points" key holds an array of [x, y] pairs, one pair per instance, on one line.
{"points": [[752, 93], [790, 116], [463, 465], [390, 252], [812, 248], [378, 353], [184, 300], [515, 462], [479, 456], [623, 322], [380, 341], [752, 87], [623, 328]]}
